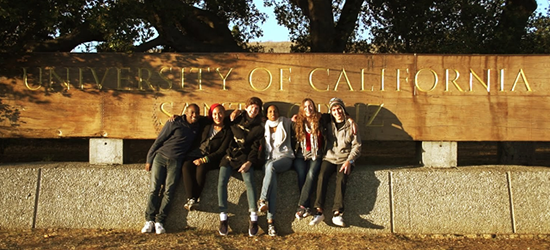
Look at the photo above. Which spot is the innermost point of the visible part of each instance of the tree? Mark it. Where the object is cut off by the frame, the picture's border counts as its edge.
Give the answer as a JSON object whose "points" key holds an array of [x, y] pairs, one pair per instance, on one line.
{"points": [[128, 25], [422, 26], [321, 25], [537, 39], [443, 26]]}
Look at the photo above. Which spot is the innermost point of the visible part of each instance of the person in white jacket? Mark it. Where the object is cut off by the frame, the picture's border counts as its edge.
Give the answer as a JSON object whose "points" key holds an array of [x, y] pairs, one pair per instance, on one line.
{"points": [[279, 156], [343, 148]]}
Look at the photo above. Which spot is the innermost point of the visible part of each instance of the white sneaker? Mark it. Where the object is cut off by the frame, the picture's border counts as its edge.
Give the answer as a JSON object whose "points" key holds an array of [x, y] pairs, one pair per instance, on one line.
{"points": [[190, 205], [317, 219], [148, 228], [159, 229], [338, 220]]}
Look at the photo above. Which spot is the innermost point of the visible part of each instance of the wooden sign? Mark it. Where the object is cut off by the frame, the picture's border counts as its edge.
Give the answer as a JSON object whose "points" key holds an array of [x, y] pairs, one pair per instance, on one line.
{"points": [[392, 97]]}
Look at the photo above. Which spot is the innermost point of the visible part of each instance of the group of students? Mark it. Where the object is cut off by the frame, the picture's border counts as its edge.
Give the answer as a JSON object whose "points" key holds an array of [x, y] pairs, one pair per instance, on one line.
{"points": [[316, 145]]}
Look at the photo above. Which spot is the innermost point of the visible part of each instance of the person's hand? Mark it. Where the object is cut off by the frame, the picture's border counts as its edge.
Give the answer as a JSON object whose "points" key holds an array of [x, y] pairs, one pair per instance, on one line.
{"points": [[173, 118], [147, 167], [353, 125], [294, 118], [346, 168], [245, 167], [197, 162], [234, 114]]}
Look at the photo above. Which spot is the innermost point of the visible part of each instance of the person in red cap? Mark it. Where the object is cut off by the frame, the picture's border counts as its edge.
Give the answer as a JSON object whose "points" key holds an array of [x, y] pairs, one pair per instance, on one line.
{"points": [[208, 150]]}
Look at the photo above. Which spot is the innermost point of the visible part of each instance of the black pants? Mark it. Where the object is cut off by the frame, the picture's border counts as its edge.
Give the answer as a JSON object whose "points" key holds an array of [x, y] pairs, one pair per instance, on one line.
{"points": [[327, 169], [194, 178]]}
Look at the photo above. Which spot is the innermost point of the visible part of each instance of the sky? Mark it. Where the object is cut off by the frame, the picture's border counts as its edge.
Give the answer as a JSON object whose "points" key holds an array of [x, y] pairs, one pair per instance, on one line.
{"points": [[276, 33]]}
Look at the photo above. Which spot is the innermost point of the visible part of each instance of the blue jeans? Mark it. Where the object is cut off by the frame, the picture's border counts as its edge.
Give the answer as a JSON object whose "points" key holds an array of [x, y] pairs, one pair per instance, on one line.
{"points": [[307, 171], [167, 172], [269, 185], [223, 179]]}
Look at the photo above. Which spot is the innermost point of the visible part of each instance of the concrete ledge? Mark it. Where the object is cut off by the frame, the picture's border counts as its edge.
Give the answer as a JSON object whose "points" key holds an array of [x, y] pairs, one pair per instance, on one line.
{"points": [[18, 197], [466, 200]]}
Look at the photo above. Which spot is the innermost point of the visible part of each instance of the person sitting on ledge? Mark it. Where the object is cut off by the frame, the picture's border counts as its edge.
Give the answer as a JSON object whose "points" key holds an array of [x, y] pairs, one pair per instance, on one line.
{"points": [[206, 155], [309, 153], [343, 148], [164, 161], [243, 154], [279, 155]]}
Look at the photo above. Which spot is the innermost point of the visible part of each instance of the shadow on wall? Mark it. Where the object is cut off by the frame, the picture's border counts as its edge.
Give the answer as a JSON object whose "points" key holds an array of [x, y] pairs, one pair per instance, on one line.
{"points": [[385, 141]]}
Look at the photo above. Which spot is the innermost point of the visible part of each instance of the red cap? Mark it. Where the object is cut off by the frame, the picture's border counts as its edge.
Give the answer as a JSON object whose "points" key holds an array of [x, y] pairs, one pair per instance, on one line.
{"points": [[215, 105]]}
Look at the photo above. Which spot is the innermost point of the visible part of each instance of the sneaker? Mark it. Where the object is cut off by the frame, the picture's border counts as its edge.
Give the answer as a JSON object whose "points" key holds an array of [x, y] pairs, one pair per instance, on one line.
{"points": [[301, 212], [159, 229], [190, 205], [307, 212], [262, 206], [271, 230], [253, 228], [148, 228], [224, 228], [317, 219], [337, 219]]}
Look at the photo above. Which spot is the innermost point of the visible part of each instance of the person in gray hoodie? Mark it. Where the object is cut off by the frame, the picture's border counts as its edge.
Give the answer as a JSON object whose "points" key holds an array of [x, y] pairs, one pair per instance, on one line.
{"points": [[343, 148]]}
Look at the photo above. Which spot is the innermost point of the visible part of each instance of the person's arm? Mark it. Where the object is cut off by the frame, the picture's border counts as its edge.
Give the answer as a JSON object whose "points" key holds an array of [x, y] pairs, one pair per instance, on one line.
{"points": [[354, 153], [163, 135], [234, 114]]}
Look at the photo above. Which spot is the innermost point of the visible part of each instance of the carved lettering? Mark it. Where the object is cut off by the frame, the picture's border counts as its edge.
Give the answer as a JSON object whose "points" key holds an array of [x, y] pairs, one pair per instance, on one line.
{"points": [[486, 85], [343, 74], [416, 84], [382, 79], [250, 79], [54, 74], [398, 79], [147, 80], [524, 78], [281, 77], [99, 84], [311, 79], [224, 78], [163, 77], [26, 79], [457, 75]]}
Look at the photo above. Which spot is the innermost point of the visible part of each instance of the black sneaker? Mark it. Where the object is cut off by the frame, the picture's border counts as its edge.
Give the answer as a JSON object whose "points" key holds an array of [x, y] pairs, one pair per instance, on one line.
{"points": [[271, 230], [224, 229], [253, 228]]}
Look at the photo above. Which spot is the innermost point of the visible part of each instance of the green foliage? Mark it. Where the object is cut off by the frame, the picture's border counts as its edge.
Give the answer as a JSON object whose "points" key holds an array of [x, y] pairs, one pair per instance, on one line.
{"points": [[360, 26], [426, 26], [122, 25], [537, 39]]}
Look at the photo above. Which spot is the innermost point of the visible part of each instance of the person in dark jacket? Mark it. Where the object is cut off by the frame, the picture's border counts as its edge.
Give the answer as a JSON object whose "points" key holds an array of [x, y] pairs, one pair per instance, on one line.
{"points": [[164, 161], [206, 155], [243, 154]]}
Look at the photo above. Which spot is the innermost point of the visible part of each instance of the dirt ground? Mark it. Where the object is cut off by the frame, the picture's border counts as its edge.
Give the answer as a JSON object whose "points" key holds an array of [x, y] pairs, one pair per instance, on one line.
{"points": [[194, 239]]}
